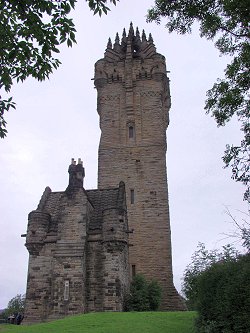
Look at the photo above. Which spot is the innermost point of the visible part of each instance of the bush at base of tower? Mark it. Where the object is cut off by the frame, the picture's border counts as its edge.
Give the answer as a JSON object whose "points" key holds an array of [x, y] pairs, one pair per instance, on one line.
{"points": [[144, 295]]}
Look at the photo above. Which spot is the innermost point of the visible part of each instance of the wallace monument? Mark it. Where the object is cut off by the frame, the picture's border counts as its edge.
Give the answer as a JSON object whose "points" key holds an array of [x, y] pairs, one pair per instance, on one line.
{"points": [[86, 245]]}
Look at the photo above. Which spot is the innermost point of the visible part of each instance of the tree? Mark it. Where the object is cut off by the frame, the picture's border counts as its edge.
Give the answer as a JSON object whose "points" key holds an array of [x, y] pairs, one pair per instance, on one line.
{"points": [[241, 232], [217, 285], [30, 34], [227, 23], [201, 260], [15, 305], [138, 298], [224, 297]]}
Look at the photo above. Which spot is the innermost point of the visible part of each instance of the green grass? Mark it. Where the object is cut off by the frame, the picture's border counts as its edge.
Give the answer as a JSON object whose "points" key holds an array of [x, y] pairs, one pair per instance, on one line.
{"points": [[113, 322]]}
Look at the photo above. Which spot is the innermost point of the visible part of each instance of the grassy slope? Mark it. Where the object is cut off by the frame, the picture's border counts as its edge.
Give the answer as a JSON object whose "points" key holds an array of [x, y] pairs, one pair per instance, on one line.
{"points": [[108, 322]]}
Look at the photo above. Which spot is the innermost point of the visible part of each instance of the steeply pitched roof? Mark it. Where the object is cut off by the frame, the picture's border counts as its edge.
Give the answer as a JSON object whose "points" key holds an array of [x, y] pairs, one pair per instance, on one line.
{"points": [[101, 200]]}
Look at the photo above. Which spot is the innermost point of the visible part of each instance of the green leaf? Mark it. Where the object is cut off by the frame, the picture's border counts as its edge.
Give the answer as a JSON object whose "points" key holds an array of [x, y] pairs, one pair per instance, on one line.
{"points": [[55, 50], [69, 43]]}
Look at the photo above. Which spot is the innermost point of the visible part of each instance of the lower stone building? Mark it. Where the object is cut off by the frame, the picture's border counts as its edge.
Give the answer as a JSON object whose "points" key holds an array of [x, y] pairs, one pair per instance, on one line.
{"points": [[78, 251]]}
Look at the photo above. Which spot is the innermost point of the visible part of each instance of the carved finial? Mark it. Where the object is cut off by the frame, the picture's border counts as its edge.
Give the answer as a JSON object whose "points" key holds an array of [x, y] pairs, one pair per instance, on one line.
{"points": [[131, 31], [150, 38], [134, 44], [109, 45], [124, 35], [117, 46], [117, 39], [137, 41], [138, 33]]}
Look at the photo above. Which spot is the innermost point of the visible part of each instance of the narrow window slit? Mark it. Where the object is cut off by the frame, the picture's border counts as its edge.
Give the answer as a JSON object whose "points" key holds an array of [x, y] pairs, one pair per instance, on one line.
{"points": [[132, 196], [131, 132], [133, 271]]}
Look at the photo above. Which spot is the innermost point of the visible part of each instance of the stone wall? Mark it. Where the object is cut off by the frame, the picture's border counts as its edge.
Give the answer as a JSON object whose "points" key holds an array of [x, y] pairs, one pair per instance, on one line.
{"points": [[94, 274]]}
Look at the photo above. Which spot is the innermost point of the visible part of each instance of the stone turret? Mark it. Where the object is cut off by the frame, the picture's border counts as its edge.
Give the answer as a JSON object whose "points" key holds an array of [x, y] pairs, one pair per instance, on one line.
{"points": [[115, 224], [115, 247], [38, 226]]}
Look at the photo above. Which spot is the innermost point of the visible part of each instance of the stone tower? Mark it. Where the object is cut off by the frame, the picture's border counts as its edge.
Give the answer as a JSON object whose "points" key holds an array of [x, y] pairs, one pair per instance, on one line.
{"points": [[133, 105]]}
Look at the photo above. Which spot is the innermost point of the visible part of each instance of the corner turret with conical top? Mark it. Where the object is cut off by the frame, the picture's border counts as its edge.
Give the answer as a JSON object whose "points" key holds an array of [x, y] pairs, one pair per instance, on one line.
{"points": [[133, 105]]}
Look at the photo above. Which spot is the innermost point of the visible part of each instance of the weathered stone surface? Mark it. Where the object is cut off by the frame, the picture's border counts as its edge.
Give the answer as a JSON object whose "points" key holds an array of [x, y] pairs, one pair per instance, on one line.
{"points": [[78, 239], [133, 104], [77, 264]]}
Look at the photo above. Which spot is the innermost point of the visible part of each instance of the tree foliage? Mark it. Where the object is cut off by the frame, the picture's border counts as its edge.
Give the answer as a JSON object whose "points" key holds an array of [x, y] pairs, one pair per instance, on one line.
{"points": [[30, 35], [217, 285], [99, 6], [15, 305], [154, 295], [224, 297], [144, 295], [201, 260], [226, 22]]}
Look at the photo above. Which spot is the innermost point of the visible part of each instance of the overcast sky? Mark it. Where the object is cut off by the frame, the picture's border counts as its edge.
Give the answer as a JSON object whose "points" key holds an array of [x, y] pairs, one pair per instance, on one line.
{"points": [[57, 120]]}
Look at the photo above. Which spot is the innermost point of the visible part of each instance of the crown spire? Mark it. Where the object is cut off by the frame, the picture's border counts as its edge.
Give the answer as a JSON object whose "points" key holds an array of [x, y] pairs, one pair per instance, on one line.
{"points": [[131, 31], [117, 38], [109, 45], [117, 45], [137, 33], [131, 45]]}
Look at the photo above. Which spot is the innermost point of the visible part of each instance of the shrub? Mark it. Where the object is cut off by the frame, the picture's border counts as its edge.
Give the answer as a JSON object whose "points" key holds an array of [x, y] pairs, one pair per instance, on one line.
{"points": [[144, 296], [224, 297], [154, 295], [202, 259]]}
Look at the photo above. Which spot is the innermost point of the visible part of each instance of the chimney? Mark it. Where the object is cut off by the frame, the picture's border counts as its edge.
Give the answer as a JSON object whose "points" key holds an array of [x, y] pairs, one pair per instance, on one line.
{"points": [[76, 175]]}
